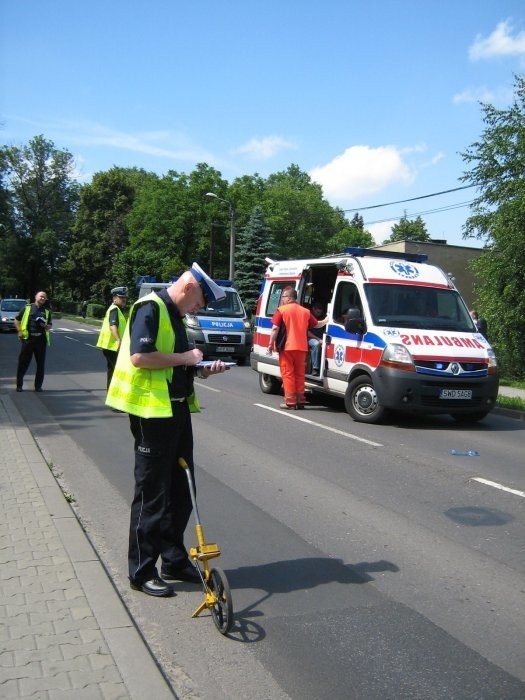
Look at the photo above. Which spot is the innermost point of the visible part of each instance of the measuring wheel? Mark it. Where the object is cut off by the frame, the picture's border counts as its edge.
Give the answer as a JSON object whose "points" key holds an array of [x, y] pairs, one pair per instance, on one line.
{"points": [[217, 594], [222, 607]]}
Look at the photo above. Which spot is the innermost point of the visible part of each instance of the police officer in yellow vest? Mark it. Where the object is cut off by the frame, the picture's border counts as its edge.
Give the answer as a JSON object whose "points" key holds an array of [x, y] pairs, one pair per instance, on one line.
{"points": [[33, 324], [153, 382], [112, 330]]}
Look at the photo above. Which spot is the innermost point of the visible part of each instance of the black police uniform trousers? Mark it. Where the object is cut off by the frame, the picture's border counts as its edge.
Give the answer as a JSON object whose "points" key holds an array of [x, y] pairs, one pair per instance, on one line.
{"points": [[34, 345], [161, 505], [111, 361]]}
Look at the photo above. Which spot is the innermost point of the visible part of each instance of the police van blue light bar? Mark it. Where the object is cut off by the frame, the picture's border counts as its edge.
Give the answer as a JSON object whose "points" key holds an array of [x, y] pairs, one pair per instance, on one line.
{"points": [[372, 252]]}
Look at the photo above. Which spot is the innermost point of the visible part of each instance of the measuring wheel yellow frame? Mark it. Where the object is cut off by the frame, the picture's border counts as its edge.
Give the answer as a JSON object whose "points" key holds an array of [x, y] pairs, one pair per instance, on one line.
{"points": [[217, 594]]}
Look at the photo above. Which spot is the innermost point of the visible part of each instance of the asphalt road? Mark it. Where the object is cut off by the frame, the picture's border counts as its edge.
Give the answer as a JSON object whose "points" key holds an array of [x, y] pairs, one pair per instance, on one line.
{"points": [[364, 561]]}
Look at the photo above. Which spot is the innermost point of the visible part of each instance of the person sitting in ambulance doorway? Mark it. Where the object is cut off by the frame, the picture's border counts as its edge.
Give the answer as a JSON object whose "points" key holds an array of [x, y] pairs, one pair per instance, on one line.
{"points": [[315, 336]]}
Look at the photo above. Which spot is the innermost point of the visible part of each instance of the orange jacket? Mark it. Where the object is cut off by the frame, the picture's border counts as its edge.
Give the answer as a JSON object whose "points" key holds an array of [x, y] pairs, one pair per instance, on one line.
{"points": [[297, 320]]}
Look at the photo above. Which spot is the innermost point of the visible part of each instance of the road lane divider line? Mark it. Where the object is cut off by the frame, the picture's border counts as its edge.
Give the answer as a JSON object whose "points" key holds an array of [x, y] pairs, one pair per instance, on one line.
{"points": [[495, 485], [319, 425], [206, 386], [75, 340]]}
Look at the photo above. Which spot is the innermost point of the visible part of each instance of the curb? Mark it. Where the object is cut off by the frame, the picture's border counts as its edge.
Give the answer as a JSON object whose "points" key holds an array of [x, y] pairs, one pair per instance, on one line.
{"points": [[132, 657]]}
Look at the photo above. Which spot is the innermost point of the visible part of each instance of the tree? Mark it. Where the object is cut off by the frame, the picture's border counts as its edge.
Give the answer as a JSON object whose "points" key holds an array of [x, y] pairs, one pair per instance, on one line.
{"points": [[42, 195], [408, 230], [254, 245], [301, 221], [101, 233], [497, 163], [172, 218], [352, 236]]}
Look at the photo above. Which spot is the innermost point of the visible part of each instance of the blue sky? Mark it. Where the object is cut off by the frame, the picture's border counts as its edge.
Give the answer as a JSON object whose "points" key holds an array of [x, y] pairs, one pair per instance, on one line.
{"points": [[375, 100]]}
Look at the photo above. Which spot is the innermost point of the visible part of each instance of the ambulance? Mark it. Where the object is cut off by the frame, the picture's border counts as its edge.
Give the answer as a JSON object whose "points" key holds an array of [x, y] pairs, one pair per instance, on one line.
{"points": [[399, 336]]}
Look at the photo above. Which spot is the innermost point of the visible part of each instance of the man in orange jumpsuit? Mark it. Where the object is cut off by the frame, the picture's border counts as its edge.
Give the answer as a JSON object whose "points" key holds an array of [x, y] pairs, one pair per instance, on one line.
{"points": [[297, 321]]}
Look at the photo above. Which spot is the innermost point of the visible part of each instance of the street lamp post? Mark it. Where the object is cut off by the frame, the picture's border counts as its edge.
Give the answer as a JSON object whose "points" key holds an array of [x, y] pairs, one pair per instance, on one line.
{"points": [[232, 231]]}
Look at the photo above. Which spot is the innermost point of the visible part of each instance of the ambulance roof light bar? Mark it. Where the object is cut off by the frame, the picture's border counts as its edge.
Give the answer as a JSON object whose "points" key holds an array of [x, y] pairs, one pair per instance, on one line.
{"points": [[372, 252]]}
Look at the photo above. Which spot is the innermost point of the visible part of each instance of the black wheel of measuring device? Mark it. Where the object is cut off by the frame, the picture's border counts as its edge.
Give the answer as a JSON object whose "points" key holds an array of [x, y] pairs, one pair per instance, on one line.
{"points": [[222, 610]]}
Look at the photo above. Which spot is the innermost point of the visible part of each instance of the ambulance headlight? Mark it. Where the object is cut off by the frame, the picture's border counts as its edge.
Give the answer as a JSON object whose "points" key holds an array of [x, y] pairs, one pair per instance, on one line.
{"points": [[192, 321], [396, 355], [493, 363]]}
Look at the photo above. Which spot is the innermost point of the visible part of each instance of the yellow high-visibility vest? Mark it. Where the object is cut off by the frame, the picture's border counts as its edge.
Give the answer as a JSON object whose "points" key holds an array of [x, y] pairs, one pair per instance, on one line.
{"points": [[25, 320], [140, 391], [105, 337]]}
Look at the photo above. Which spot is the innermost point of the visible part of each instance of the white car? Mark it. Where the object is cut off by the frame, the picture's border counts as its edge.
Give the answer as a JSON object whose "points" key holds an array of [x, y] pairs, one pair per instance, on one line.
{"points": [[9, 310]]}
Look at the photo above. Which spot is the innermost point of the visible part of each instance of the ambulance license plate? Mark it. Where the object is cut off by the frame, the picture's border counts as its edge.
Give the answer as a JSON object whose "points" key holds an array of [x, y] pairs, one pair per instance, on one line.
{"points": [[455, 394], [225, 348]]}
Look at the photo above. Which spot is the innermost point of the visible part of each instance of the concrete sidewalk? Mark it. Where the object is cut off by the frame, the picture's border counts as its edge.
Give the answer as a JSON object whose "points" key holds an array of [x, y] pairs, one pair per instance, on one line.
{"points": [[65, 632]]}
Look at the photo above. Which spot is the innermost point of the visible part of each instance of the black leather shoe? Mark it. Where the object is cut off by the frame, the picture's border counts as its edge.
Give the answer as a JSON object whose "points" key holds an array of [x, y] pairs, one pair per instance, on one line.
{"points": [[187, 573], [19, 388], [155, 586], [39, 389]]}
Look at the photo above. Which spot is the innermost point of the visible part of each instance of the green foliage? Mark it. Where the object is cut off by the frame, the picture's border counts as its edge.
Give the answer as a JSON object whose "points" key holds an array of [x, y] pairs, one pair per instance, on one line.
{"points": [[353, 235], [38, 199], [409, 230], [301, 222], [97, 310], [498, 217], [254, 244], [100, 232]]}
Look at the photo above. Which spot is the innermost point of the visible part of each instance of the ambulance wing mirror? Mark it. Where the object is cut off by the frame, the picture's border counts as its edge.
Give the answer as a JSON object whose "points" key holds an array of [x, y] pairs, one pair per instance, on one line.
{"points": [[355, 323]]}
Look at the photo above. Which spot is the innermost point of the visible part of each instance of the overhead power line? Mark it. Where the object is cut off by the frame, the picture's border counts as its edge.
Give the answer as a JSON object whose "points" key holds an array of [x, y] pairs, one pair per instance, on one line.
{"points": [[449, 207], [413, 199]]}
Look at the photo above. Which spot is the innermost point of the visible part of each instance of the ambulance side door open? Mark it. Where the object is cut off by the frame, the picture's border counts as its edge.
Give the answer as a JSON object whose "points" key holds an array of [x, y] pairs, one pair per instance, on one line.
{"points": [[343, 349]]}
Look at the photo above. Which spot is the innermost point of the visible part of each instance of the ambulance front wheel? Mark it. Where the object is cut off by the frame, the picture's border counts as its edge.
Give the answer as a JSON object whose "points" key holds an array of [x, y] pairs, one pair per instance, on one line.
{"points": [[269, 384], [361, 401]]}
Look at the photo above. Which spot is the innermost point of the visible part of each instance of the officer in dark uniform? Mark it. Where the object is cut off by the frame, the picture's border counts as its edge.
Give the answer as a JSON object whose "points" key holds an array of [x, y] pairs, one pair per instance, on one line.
{"points": [[33, 324], [153, 383]]}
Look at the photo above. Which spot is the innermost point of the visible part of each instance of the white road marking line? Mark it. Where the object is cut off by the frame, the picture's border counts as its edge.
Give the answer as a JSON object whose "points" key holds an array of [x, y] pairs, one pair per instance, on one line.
{"points": [[207, 386], [75, 340], [75, 330], [319, 425], [495, 485]]}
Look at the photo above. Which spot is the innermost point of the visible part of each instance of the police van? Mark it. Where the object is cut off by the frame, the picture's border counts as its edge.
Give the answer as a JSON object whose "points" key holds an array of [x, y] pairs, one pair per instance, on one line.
{"points": [[399, 336], [221, 330]]}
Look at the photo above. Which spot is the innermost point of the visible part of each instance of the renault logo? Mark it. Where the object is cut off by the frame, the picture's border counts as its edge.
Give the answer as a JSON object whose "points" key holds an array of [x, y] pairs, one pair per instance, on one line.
{"points": [[455, 368]]}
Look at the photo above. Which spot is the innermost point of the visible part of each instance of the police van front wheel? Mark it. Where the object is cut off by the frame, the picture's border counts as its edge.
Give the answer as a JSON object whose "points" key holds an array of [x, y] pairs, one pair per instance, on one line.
{"points": [[269, 384], [361, 401]]}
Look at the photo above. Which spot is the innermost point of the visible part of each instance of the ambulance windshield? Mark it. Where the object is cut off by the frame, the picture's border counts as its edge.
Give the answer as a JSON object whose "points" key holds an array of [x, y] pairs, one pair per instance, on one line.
{"points": [[428, 308]]}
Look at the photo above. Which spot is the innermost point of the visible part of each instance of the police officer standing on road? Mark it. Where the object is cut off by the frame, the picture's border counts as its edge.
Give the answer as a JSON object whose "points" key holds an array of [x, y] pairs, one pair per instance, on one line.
{"points": [[112, 329], [153, 382], [33, 324]]}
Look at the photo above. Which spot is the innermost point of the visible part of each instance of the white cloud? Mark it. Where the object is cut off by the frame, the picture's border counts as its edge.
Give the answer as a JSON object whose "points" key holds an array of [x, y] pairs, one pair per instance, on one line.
{"points": [[499, 43], [382, 230], [501, 96], [163, 144], [265, 148], [362, 170]]}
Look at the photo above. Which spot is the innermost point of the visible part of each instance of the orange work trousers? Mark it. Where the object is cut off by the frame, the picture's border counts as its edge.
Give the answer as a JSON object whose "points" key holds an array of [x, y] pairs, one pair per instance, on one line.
{"points": [[292, 365]]}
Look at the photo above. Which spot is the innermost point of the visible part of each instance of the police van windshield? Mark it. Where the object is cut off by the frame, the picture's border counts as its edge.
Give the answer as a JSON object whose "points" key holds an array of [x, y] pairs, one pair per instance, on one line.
{"points": [[418, 307], [230, 306]]}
